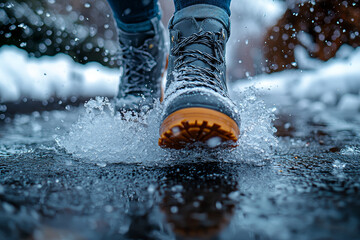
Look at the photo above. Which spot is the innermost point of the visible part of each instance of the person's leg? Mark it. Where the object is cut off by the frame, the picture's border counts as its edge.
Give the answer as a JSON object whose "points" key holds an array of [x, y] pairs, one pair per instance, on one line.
{"points": [[142, 55], [197, 104], [134, 15], [224, 4]]}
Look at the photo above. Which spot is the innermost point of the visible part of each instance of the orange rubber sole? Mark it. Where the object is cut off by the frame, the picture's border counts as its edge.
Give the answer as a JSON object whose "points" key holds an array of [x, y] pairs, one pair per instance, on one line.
{"points": [[193, 125]]}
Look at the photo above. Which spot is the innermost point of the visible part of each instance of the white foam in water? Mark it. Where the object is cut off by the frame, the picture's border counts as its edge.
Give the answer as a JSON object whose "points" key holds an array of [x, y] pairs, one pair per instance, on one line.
{"points": [[103, 137]]}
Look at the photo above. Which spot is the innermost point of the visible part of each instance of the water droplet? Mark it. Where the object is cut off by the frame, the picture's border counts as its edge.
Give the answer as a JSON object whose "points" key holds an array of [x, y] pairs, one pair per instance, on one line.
{"points": [[214, 142], [174, 209], [101, 164]]}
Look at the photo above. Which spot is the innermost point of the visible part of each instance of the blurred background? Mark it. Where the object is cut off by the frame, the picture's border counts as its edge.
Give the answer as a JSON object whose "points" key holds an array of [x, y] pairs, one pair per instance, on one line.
{"points": [[266, 36], [83, 29]]}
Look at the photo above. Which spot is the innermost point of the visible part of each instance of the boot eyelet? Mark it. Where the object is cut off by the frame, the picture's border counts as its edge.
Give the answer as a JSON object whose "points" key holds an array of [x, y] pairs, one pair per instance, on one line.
{"points": [[151, 46], [223, 35], [172, 39]]}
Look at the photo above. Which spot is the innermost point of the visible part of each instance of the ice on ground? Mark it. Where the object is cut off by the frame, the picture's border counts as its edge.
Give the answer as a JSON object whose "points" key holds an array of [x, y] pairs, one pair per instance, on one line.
{"points": [[45, 77], [100, 136]]}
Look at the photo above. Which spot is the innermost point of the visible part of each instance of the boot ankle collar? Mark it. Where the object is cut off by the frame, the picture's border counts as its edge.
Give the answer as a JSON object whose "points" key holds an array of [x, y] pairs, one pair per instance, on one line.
{"points": [[145, 26], [202, 11]]}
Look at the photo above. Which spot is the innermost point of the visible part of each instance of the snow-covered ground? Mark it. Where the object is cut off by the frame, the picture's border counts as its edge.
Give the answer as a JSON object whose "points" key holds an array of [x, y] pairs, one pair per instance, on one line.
{"points": [[45, 77], [335, 83]]}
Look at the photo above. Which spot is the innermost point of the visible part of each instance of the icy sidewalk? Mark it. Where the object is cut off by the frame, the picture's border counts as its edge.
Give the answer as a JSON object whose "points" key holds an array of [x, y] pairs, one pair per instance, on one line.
{"points": [[45, 77]]}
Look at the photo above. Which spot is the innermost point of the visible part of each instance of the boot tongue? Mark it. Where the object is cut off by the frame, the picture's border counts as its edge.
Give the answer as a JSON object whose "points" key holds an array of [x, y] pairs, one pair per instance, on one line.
{"points": [[189, 26]]}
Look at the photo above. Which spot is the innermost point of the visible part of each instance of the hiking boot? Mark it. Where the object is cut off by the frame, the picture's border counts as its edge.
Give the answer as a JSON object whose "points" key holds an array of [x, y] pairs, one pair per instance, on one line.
{"points": [[197, 103], [143, 57]]}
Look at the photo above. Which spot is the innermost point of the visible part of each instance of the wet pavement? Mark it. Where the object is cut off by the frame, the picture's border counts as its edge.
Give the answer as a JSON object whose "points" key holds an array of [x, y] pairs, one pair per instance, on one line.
{"points": [[309, 188]]}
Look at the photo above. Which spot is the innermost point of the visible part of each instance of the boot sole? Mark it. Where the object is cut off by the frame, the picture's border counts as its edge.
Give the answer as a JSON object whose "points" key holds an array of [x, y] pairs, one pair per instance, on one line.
{"points": [[192, 125]]}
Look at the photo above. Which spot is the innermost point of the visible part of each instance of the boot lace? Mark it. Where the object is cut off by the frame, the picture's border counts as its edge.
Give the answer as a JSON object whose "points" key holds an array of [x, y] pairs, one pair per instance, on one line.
{"points": [[197, 76], [137, 61]]}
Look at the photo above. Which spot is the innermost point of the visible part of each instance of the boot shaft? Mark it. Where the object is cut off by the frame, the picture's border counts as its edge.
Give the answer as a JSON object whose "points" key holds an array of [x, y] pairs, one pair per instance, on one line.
{"points": [[142, 56], [198, 35]]}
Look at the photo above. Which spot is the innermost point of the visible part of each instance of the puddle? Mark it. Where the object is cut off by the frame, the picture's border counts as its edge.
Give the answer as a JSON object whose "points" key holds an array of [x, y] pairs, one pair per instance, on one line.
{"points": [[84, 173]]}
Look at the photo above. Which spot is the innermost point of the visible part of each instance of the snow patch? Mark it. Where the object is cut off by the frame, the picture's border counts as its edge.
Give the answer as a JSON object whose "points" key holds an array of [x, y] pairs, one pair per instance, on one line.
{"points": [[335, 83], [42, 78]]}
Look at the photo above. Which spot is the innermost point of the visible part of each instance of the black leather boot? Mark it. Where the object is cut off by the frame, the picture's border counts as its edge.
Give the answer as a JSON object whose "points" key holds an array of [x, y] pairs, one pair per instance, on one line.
{"points": [[197, 104]]}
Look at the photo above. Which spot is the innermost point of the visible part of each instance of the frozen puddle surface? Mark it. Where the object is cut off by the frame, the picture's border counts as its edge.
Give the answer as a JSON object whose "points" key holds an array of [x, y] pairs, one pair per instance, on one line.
{"points": [[104, 137]]}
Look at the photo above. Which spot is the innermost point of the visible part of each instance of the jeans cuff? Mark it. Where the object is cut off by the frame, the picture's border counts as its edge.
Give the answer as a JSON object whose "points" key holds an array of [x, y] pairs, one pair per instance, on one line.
{"points": [[139, 27]]}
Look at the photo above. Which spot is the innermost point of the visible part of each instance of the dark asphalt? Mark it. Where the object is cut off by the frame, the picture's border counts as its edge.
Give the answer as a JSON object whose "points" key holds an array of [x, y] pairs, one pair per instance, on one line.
{"points": [[309, 189]]}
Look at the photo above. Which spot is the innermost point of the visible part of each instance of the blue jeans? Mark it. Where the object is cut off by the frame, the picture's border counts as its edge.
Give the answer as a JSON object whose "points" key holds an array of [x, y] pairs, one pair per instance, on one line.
{"points": [[135, 15]]}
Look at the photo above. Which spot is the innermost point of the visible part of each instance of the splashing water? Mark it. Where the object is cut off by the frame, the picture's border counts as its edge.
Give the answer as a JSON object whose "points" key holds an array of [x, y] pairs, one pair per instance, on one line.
{"points": [[257, 140], [350, 151], [104, 137]]}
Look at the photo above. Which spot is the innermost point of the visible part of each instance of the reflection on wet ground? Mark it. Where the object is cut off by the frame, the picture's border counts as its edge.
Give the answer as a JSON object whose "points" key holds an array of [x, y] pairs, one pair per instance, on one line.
{"points": [[197, 199], [309, 189]]}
